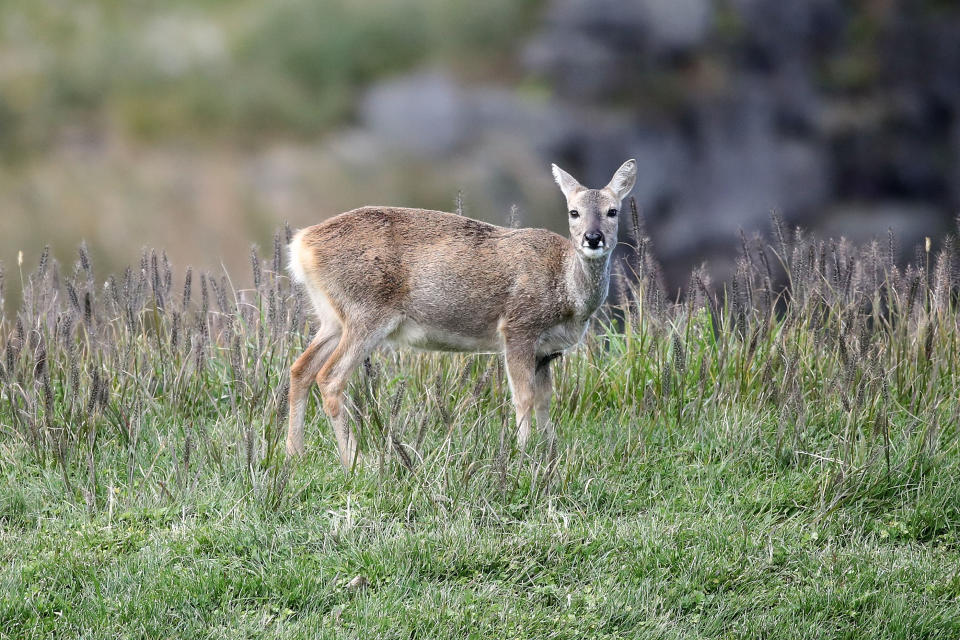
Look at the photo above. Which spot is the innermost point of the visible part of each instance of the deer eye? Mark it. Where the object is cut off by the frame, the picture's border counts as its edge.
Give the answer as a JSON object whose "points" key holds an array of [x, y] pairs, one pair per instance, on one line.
{"points": [[574, 213], [612, 213]]}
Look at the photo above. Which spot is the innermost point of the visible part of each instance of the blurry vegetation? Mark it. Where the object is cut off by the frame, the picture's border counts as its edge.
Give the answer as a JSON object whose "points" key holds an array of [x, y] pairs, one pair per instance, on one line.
{"points": [[231, 68]]}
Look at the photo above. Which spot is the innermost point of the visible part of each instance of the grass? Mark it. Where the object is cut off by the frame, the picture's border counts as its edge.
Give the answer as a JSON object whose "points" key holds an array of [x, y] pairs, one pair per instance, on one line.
{"points": [[747, 465]]}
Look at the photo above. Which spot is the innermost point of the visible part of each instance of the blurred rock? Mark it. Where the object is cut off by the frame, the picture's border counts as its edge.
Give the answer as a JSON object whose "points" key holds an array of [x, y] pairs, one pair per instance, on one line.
{"points": [[777, 32], [955, 158], [589, 48], [421, 113], [736, 169], [737, 109], [675, 25], [428, 114]]}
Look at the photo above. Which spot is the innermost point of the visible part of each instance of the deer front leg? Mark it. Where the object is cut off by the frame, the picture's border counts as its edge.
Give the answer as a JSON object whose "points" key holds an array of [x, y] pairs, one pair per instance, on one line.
{"points": [[521, 367], [542, 394]]}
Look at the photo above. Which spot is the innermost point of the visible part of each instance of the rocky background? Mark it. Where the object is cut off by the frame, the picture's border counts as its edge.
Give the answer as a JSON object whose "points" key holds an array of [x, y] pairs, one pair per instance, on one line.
{"points": [[842, 116], [201, 126]]}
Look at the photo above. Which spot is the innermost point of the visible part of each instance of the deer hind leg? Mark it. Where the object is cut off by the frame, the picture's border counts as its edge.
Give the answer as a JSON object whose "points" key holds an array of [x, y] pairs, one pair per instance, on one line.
{"points": [[302, 375], [355, 345], [521, 369]]}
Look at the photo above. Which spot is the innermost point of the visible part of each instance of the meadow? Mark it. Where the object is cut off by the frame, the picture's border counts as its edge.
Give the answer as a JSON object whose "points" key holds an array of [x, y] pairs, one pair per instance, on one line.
{"points": [[777, 458]]}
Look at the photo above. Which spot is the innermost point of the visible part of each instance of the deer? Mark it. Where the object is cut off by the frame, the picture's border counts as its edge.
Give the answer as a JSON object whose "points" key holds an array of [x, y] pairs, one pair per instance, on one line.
{"points": [[429, 280]]}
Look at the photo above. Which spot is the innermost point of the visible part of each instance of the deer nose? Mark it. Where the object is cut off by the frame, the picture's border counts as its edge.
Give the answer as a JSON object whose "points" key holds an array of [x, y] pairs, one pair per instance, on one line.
{"points": [[594, 239]]}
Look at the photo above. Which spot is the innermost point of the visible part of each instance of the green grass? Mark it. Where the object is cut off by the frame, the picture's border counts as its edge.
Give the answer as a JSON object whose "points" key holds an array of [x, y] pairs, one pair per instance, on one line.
{"points": [[726, 468]]}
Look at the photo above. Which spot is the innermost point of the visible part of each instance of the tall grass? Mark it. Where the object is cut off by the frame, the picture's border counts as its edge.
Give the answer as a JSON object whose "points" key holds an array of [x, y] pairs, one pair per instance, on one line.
{"points": [[141, 387]]}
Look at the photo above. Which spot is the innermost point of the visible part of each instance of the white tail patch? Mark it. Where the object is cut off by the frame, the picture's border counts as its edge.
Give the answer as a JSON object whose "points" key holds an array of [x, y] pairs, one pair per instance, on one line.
{"points": [[296, 265], [295, 261]]}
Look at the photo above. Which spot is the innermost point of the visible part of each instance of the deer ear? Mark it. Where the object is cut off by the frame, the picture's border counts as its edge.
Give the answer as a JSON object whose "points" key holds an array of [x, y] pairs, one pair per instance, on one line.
{"points": [[567, 183], [624, 179]]}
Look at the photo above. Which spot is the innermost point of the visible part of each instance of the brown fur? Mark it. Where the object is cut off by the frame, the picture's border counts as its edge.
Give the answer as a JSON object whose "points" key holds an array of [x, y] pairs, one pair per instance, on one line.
{"points": [[454, 271], [439, 281]]}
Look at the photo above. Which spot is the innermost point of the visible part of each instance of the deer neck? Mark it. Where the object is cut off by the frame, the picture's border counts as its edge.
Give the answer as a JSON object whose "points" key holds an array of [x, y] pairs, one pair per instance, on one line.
{"points": [[587, 281]]}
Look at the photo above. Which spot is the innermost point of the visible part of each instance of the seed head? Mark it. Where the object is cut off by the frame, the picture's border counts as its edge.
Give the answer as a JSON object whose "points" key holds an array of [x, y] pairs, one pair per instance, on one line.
{"points": [[44, 259], [397, 398], [679, 357], [204, 296], [236, 360], [283, 400], [20, 333], [891, 247], [175, 330], [255, 264], [167, 273], [277, 253], [187, 287], [40, 365], [85, 263], [156, 280], [74, 371], [94, 400], [221, 292], [74, 300], [88, 308], [187, 450], [10, 353]]}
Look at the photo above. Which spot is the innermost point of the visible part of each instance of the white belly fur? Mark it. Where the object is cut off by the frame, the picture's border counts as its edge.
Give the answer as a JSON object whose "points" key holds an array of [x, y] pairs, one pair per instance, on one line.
{"points": [[418, 336]]}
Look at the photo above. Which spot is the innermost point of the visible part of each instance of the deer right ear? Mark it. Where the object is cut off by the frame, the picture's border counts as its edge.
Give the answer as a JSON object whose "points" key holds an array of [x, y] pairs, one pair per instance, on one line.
{"points": [[567, 183]]}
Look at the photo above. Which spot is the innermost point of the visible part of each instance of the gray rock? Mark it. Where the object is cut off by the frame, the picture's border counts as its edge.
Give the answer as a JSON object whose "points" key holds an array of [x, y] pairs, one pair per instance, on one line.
{"points": [[428, 114], [423, 113], [729, 177], [676, 25], [589, 48], [654, 25], [778, 31], [583, 68], [955, 171]]}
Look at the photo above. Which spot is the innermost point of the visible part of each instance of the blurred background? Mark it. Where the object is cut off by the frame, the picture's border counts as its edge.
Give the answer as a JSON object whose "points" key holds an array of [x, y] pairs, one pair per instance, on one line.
{"points": [[199, 126]]}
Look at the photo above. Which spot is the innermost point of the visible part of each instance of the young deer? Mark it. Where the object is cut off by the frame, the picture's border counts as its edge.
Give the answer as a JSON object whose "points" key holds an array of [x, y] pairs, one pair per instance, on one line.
{"points": [[439, 281]]}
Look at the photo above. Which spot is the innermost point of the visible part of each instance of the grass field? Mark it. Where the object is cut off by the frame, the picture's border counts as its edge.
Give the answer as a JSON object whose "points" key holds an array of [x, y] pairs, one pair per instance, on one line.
{"points": [[738, 465]]}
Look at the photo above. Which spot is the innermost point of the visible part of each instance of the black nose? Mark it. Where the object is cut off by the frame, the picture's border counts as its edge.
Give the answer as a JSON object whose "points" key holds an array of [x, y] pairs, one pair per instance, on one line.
{"points": [[593, 238]]}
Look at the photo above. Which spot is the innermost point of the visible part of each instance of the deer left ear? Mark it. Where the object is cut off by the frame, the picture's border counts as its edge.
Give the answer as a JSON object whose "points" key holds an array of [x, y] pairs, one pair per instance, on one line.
{"points": [[623, 180], [567, 183]]}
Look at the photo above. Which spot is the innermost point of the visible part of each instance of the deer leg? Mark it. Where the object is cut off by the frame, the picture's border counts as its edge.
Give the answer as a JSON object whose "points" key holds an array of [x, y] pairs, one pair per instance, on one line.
{"points": [[542, 394], [302, 374], [354, 347], [521, 367]]}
